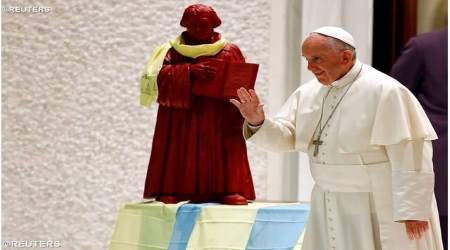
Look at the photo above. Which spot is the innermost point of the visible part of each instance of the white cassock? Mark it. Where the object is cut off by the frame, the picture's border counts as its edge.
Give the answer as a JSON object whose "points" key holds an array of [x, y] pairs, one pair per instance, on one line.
{"points": [[374, 167]]}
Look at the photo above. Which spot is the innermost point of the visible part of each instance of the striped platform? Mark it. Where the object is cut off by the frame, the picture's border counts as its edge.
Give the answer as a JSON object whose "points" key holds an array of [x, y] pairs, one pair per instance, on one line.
{"points": [[258, 226]]}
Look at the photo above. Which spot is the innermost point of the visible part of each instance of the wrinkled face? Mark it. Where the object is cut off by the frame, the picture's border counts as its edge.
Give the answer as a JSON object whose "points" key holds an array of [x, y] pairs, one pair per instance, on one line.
{"points": [[201, 29], [325, 62]]}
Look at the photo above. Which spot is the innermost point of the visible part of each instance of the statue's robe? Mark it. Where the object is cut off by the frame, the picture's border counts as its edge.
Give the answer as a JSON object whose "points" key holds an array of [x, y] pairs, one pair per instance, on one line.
{"points": [[198, 152]]}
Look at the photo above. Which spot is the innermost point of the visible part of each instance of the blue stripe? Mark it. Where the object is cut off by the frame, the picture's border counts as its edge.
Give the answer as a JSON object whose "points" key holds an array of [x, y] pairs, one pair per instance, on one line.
{"points": [[278, 227], [186, 217]]}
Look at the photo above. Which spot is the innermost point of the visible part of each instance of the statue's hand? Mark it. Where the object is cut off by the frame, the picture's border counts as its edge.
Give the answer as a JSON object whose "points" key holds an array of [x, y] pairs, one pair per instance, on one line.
{"points": [[415, 228], [249, 106], [202, 71]]}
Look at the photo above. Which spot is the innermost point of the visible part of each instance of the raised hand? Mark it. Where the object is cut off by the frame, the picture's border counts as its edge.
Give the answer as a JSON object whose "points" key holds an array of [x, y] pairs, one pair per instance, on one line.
{"points": [[202, 71], [249, 106], [415, 228]]}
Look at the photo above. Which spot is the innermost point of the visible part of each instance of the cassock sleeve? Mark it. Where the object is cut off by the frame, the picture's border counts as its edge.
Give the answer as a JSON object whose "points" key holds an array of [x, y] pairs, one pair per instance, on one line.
{"points": [[278, 133], [174, 84], [402, 127], [412, 179]]}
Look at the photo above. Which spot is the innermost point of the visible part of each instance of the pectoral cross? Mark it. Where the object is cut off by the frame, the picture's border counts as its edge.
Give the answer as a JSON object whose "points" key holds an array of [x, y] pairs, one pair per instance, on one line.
{"points": [[317, 143]]}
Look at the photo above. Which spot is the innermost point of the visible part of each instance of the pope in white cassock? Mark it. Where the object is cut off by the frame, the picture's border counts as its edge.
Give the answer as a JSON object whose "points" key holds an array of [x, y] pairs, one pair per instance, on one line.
{"points": [[369, 144]]}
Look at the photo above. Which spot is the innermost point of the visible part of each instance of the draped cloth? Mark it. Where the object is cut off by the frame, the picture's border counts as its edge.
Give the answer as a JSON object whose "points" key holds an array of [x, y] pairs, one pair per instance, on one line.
{"points": [[156, 226]]}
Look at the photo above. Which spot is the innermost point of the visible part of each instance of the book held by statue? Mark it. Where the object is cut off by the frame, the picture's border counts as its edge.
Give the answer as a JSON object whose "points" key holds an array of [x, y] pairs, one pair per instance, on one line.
{"points": [[230, 76]]}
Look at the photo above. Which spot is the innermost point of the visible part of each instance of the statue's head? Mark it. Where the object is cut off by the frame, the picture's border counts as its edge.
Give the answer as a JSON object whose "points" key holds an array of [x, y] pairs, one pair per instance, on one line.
{"points": [[200, 21]]}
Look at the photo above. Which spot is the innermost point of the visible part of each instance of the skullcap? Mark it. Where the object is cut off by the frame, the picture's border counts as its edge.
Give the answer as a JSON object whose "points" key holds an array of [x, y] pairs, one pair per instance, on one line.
{"points": [[337, 33]]}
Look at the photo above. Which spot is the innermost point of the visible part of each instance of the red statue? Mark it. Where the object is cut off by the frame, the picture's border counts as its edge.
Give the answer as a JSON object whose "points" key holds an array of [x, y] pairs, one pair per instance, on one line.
{"points": [[198, 152]]}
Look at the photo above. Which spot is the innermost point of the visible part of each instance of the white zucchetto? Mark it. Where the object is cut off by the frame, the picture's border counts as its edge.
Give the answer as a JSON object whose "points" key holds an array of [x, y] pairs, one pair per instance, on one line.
{"points": [[337, 33]]}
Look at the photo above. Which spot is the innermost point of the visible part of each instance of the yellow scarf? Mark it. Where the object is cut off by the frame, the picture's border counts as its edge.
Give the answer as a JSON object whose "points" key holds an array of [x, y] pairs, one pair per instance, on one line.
{"points": [[149, 86]]}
